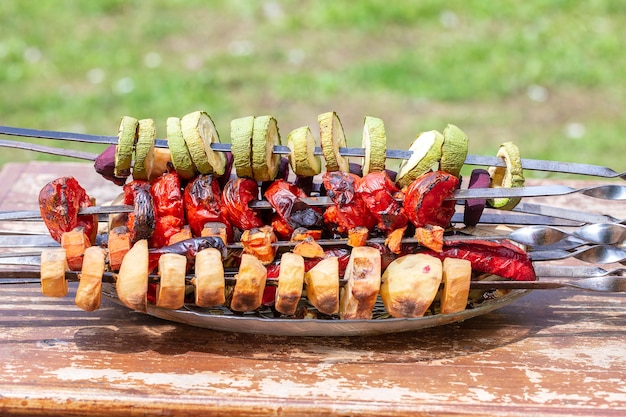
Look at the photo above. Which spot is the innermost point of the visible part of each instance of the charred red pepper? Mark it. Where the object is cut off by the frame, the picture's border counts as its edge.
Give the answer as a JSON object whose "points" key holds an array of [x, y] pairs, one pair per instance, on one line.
{"points": [[203, 204], [238, 193], [349, 210], [291, 212], [426, 199], [59, 203], [168, 206], [500, 258], [141, 221], [377, 191]]}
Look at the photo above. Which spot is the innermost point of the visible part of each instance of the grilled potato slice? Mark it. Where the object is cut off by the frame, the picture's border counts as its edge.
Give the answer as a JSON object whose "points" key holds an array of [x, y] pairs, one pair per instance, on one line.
{"points": [[363, 275], [52, 272], [132, 279], [322, 285], [290, 283], [410, 284], [250, 284], [209, 280], [89, 292]]}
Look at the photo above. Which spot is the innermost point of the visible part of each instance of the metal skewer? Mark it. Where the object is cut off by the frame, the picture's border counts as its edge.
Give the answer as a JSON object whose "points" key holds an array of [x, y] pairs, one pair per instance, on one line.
{"points": [[529, 164], [607, 283]]}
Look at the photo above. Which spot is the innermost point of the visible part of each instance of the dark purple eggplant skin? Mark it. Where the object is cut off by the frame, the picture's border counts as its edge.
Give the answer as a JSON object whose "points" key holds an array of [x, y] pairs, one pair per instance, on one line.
{"points": [[144, 220], [105, 166], [474, 207], [228, 170]]}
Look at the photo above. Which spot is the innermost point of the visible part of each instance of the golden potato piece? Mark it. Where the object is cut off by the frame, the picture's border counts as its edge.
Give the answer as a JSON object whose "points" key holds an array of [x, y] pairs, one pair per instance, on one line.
{"points": [[132, 279], [322, 285], [290, 283], [363, 275], [410, 284], [89, 292], [209, 280], [250, 284]]}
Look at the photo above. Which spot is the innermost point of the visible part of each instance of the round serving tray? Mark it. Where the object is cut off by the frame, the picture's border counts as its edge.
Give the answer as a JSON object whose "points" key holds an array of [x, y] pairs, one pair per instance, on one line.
{"points": [[223, 320]]}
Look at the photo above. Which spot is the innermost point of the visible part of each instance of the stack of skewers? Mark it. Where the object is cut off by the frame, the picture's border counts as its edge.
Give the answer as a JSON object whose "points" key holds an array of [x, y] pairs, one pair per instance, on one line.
{"points": [[257, 226]]}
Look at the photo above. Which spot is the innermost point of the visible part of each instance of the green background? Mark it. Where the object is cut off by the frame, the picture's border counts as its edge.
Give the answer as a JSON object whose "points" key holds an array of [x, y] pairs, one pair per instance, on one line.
{"points": [[547, 75]]}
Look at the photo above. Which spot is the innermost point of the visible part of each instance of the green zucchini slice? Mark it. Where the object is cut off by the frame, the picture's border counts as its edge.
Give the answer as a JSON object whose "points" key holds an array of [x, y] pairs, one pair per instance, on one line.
{"points": [[199, 133], [265, 136], [181, 159], [454, 150], [426, 155], [375, 144], [302, 158], [144, 149], [126, 138], [512, 175], [332, 138], [241, 145]]}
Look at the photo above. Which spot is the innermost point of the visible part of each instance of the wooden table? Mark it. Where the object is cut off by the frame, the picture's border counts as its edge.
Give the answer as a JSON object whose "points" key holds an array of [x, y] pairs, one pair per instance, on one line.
{"points": [[557, 352]]}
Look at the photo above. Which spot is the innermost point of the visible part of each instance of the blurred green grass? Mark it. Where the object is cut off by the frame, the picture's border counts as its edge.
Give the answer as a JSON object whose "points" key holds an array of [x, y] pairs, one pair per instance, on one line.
{"points": [[547, 75]]}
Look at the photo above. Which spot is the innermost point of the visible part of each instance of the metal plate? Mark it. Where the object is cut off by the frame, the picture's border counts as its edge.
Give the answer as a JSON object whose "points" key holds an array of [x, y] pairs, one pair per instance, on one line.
{"points": [[217, 319]]}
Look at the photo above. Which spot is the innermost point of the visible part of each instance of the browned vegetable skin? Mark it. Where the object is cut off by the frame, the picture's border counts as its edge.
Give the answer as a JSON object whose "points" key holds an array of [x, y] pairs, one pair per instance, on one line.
{"points": [[410, 284], [322, 285], [249, 284], [209, 280], [89, 291], [290, 283], [363, 275], [53, 267], [132, 279]]}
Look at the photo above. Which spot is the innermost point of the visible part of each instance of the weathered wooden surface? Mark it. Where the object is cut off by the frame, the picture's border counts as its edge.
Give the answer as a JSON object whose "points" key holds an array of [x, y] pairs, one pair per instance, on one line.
{"points": [[557, 352]]}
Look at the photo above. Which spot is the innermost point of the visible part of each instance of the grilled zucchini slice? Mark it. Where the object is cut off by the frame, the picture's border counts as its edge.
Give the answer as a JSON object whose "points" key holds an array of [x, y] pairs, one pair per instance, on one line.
{"points": [[126, 138], [265, 136], [181, 159], [375, 144], [332, 138], [302, 158], [426, 155], [144, 149], [454, 150], [241, 145], [512, 175], [199, 133]]}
